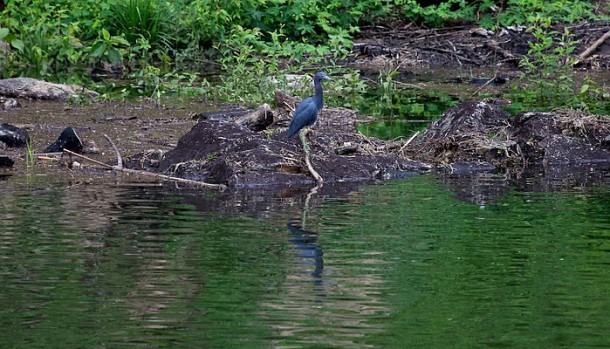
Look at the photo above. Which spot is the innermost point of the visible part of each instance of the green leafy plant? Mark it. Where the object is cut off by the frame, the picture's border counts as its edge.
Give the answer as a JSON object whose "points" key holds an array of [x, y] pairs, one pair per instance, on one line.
{"points": [[349, 90], [108, 48], [548, 66], [519, 12]]}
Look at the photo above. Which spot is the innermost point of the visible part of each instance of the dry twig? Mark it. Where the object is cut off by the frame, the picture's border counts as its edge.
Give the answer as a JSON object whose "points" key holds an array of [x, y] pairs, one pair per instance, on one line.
{"points": [[592, 48], [119, 161], [408, 142]]}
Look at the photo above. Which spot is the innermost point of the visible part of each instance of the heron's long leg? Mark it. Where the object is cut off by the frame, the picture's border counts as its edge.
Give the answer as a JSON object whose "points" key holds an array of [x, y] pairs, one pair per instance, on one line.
{"points": [[303, 135], [314, 173]]}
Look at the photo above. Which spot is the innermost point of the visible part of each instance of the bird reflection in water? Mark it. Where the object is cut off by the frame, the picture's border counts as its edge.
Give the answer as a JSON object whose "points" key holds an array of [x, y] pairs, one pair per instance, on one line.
{"points": [[309, 253]]}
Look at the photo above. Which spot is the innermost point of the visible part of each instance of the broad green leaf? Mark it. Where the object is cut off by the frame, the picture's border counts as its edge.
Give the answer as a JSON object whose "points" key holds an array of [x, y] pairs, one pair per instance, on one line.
{"points": [[99, 50], [105, 34], [18, 44]]}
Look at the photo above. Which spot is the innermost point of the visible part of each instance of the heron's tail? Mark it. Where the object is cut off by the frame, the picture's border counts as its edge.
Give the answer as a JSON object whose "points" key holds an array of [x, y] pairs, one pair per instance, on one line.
{"points": [[292, 130]]}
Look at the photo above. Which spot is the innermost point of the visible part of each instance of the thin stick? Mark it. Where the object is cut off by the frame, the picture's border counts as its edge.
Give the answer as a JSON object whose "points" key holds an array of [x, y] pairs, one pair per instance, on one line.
{"points": [[313, 172], [593, 47], [484, 85], [119, 159], [220, 187], [409, 141], [89, 159]]}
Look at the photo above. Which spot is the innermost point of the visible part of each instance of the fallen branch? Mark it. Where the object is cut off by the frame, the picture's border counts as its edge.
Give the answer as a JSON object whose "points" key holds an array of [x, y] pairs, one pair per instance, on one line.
{"points": [[220, 187], [89, 159], [484, 85], [494, 46], [402, 149], [313, 172], [592, 48]]}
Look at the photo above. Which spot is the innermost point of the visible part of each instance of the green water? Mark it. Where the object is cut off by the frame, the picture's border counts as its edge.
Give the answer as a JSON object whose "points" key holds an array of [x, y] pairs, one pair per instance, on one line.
{"points": [[415, 263]]}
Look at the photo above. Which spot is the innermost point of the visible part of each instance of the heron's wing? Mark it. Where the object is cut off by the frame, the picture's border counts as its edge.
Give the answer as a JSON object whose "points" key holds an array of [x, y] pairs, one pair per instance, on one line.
{"points": [[304, 115], [307, 102]]}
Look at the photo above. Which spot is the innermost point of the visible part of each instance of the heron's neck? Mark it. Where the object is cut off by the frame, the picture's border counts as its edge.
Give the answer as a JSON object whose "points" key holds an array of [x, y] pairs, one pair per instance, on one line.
{"points": [[319, 93]]}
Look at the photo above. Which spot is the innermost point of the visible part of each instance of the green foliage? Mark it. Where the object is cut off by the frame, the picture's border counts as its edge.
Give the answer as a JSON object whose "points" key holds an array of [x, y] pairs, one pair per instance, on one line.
{"points": [[519, 12], [490, 13], [436, 15], [350, 90], [48, 36], [29, 155], [63, 40], [145, 20], [548, 66], [108, 48], [549, 80]]}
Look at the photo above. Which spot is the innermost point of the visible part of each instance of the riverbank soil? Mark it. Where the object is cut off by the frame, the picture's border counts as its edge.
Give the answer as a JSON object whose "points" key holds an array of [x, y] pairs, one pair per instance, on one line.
{"points": [[406, 46]]}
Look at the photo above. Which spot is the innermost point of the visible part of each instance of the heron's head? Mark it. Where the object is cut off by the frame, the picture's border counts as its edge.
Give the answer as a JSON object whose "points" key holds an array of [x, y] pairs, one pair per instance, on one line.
{"points": [[322, 76]]}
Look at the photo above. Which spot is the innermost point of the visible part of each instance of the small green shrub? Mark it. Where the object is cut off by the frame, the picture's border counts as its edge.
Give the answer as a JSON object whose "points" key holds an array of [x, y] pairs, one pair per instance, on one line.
{"points": [[548, 66]]}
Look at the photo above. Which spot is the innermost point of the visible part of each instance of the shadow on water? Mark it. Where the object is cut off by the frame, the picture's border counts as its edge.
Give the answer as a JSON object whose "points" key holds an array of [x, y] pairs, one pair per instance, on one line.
{"points": [[484, 187]]}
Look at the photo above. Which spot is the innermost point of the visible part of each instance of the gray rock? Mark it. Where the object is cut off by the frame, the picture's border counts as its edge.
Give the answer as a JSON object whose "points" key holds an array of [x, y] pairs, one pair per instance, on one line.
{"points": [[38, 89]]}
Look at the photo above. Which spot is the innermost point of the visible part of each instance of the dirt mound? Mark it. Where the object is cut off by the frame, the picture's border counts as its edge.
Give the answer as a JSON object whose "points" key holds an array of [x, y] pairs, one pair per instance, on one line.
{"points": [[478, 134], [226, 152]]}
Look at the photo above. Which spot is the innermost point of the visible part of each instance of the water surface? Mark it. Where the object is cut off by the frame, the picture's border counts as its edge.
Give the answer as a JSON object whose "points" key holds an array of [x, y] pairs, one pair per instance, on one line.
{"points": [[414, 263]]}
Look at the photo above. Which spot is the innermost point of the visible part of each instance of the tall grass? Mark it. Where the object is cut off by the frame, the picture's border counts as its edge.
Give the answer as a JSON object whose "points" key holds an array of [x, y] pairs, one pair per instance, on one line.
{"points": [[150, 20]]}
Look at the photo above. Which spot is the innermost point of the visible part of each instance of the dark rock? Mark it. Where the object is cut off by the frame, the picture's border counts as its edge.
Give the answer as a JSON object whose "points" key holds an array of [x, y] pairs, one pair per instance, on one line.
{"points": [[14, 136], [467, 118], [68, 139], [535, 125], [565, 150], [5, 161], [476, 133], [471, 132]]}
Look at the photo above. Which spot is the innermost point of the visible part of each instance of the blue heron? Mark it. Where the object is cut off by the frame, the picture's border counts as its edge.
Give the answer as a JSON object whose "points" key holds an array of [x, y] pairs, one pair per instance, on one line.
{"points": [[306, 113]]}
